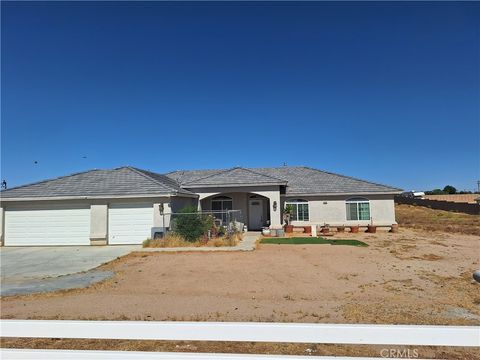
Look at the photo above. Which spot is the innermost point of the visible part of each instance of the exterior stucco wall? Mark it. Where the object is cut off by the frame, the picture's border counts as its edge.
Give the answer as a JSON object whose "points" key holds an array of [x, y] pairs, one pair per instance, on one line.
{"points": [[240, 202], [98, 224], [178, 203], [332, 210]]}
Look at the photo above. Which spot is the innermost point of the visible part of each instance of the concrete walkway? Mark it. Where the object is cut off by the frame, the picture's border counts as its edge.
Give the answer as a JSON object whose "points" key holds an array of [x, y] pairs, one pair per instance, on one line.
{"points": [[247, 244]]}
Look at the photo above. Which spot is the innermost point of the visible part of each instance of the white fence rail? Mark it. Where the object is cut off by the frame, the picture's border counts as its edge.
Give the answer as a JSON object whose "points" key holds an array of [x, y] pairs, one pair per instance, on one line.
{"points": [[416, 335]]}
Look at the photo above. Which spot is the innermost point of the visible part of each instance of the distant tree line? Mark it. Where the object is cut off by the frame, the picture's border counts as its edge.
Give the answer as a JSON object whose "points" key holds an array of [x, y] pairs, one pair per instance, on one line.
{"points": [[448, 190]]}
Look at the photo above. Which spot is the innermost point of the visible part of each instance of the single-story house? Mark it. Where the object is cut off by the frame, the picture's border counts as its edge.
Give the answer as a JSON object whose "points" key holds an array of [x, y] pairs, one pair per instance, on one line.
{"points": [[123, 205]]}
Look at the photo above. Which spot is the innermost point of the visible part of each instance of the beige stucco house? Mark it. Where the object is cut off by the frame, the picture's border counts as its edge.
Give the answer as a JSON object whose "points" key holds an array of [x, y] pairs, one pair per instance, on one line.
{"points": [[123, 205]]}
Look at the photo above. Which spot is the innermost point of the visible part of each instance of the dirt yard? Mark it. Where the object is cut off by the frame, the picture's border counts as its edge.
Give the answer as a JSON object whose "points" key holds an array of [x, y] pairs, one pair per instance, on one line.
{"points": [[422, 218], [411, 277]]}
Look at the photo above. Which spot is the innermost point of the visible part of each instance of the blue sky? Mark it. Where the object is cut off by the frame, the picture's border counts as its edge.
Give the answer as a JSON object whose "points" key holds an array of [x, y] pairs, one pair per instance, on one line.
{"points": [[387, 92]]}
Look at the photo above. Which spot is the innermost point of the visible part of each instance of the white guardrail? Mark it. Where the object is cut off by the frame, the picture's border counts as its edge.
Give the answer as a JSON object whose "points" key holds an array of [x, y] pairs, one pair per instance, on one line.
{"points": [[388, 335]]}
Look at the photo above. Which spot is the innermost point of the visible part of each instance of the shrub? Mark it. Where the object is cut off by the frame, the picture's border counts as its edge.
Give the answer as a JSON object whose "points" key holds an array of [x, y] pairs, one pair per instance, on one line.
{"points": [[191, 225], [170, 240], [221, 231]]}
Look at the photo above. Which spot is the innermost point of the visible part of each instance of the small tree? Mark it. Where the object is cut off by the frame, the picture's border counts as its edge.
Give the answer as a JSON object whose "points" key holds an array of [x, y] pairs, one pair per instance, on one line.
{"points": [[449, 189], [191, 225], [287, 213], [435, 192]]}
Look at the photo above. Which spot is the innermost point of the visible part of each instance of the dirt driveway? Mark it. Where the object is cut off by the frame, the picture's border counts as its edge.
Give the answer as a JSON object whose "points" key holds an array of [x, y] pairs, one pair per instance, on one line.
{"points": [[411, 277]]}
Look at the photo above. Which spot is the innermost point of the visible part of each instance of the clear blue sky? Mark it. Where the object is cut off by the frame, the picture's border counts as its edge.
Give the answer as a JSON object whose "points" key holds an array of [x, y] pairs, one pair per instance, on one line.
{"points": [[387, 92]]}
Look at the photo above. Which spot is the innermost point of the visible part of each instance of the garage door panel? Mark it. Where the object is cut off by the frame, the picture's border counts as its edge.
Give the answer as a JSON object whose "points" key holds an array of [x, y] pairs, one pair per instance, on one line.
{"points": [[37, 225], [129, 223]]}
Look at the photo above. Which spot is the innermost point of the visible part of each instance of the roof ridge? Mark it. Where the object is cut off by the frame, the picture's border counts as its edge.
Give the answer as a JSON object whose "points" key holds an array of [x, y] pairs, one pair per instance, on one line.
{"points": [[206, 177], [350, 177], [53, 179], [142, 173], [269, 176], [232, 169], [170, 183]]}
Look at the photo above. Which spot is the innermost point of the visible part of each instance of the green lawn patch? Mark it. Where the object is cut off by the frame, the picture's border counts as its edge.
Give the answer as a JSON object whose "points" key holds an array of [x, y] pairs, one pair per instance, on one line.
{"points": [[311, 240]]}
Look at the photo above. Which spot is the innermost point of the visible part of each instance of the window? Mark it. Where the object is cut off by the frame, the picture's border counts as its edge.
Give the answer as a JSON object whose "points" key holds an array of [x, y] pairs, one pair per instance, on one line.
{"points": [[300, 209], [358, 209], [220, 205]]}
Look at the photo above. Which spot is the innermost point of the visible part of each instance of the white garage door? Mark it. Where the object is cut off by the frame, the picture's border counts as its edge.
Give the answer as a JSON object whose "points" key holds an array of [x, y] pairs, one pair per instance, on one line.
{"points": [[129, 223], [48, 225]]}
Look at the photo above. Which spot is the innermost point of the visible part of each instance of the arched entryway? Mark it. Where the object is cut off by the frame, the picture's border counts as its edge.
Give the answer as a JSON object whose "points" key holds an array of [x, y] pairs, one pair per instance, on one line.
{"points": [[254, 208]]}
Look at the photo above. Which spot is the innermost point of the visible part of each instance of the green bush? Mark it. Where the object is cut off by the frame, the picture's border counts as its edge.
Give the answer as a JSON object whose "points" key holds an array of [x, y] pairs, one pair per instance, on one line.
{"points": [[192, 225], [221, 231]]}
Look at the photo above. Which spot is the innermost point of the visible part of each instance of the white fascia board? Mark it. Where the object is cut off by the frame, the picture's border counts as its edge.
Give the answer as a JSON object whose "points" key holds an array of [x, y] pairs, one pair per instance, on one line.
{"points": [[341, 194], [88, 197], [200, 186]]}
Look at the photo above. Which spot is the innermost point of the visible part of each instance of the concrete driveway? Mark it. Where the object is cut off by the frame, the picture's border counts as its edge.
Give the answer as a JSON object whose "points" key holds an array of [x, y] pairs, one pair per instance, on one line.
{"points": [[27, 270]]}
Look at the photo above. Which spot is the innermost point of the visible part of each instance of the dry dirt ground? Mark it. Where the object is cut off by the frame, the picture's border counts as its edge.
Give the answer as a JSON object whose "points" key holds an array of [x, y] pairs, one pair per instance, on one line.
{"points": [[411, 277], [422, 218]]}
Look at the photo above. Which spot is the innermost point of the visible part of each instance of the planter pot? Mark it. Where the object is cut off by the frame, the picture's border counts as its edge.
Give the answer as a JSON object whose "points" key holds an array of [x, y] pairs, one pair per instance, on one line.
{"points": [[340, 229], [354, 229], [372, 229], [394, 228], [280, 233], [288, 228], [307, 229], [325, 230], [266, 232]]}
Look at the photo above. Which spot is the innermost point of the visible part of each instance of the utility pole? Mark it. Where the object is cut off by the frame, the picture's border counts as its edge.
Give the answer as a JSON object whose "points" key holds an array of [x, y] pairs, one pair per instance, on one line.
{"points": [[478, 186]]}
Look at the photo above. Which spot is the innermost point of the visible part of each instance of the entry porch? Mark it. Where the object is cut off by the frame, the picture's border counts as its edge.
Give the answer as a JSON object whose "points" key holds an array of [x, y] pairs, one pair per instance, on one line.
{"points": [[258, 209]]}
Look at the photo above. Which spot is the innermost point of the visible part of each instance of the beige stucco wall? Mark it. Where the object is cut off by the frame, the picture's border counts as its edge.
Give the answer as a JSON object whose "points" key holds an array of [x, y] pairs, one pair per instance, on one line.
{"points": [[98, 224], [332, 210]]}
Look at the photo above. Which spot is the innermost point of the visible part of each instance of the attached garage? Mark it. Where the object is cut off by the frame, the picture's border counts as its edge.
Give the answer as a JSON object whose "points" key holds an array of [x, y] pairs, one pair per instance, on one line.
{"points": [[129, 223], [97, 207], [47, 225]]}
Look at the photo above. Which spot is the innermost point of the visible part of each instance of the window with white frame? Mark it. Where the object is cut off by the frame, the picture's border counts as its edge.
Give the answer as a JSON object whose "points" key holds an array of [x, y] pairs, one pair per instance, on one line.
{"points": [[299, 209], [220, 205], [358, 209]]}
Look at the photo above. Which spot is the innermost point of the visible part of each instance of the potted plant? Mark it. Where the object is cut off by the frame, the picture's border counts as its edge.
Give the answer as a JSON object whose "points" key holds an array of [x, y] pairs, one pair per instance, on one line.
{"points": [[266, 231], [354, 229], [287, 215], [371, 228], [307, 229], [394, 228], [341, 229], [325, 229]]}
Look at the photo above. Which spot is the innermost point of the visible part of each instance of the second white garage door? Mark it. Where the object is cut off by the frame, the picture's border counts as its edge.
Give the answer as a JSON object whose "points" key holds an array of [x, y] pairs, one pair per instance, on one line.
{"points": [[129, 223]]}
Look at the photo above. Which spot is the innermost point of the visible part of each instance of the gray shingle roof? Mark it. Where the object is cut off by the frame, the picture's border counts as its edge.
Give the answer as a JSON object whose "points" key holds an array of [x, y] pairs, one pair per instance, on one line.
{"points": [[115, 182], [130, 181], [235, 176], [300, 180]]}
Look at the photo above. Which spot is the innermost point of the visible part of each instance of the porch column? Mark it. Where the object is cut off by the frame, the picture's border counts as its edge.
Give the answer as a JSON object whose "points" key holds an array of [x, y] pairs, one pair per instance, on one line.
{"points": [[275, 210]]}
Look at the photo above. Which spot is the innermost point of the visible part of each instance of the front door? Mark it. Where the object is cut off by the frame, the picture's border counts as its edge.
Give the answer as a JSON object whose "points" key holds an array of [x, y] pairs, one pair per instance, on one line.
{"points": [[255, 214]]}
